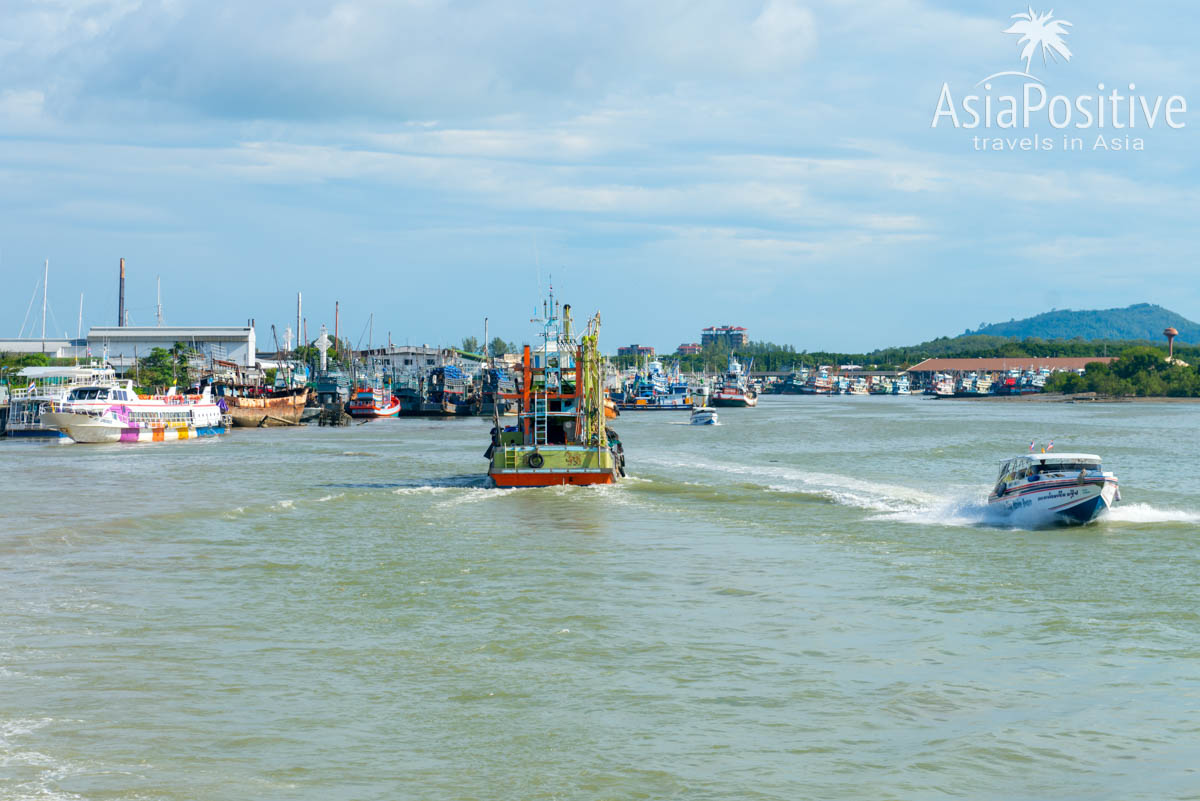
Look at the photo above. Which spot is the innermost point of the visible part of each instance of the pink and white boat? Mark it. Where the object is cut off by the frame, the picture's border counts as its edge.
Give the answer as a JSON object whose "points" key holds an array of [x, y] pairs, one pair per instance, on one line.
{"points": [[116, 413]]}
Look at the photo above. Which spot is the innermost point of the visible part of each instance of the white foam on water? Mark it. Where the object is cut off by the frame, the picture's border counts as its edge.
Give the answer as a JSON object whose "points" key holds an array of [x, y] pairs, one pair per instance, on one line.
{"points": [[468, 495], [431, 490], [845, 490], [324, 498], [284, 504], [1145, 513]]}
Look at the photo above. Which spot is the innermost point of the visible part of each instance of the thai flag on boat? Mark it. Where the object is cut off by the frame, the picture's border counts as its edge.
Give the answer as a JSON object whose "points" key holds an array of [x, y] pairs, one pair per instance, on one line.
{"points": [[1050, 447], [1031, 444]]}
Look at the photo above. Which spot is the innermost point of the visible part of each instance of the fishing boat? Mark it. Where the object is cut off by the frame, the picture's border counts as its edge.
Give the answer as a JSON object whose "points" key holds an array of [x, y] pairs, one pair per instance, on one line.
{"points": [[858, 386], [653, 390], [818, 383], [704, 416], [446, 393], [103, 413], [559, 436], [901, 386], [943, 385], [46, 386], [734, 390], [494, 386], [1053, 489], [256, 406], [373, 401]]}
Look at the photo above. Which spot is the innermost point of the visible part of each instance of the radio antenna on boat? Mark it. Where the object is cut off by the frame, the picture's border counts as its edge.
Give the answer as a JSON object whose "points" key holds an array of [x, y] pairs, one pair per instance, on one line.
{"points": [[158, 283]]}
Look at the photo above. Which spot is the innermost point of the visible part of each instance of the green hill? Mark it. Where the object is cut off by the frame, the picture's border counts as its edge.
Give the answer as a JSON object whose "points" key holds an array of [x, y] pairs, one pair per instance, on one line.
{"points": [[1142, 321]]}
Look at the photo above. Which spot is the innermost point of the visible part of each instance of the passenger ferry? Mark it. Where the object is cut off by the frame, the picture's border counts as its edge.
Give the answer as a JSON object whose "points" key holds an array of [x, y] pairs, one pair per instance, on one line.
{"points": [[48, 385], [560, 436], [734, 390], [1054, 489], [102, 413]]}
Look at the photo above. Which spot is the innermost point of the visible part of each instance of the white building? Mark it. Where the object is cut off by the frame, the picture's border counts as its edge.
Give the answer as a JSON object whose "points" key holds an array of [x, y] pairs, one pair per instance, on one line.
{"points": [[54, 347], [121, 345]]}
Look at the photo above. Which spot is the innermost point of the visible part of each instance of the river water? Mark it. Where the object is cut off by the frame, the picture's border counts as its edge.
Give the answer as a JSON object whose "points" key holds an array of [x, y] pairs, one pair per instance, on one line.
{"points": [[802, 602]]}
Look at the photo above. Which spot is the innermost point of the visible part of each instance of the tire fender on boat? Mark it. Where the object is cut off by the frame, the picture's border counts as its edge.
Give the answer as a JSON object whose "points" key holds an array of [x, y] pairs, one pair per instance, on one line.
{"points": [[536, 460]]}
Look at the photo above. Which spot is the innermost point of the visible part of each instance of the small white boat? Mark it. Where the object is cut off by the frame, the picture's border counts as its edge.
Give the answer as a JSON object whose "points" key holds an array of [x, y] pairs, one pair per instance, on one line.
{"points": [[704, 416], [1048, 489]]}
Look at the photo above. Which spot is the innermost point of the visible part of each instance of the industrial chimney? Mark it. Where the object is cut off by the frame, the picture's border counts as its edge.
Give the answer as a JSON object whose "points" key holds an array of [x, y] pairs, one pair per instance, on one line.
{"points": [[121, 297]]}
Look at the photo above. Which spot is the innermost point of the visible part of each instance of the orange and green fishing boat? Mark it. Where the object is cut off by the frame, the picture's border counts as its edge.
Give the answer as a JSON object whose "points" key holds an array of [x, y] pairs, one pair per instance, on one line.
{"points": [[559, 436]]}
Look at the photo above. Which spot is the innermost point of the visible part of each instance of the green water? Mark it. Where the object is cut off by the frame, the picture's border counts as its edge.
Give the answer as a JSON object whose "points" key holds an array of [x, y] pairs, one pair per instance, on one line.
{"points": [[802, 602]]}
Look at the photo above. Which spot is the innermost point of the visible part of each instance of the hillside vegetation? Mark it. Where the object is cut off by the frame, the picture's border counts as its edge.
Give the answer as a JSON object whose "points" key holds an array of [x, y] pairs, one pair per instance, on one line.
{"points": [[1139, 321]]}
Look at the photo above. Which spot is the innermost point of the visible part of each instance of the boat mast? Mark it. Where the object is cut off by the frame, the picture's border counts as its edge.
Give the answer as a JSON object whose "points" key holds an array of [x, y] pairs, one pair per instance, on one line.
{"points": [[79, 329], [45, 280], [158, 282]]}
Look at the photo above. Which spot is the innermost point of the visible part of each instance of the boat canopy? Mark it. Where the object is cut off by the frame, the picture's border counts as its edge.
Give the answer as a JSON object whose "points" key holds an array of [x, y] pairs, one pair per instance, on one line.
{"points": [[45, 373]]}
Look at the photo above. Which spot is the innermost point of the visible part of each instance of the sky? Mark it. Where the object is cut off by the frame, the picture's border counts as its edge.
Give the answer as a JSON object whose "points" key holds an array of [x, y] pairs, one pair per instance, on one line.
{"points": [[674, 165]]}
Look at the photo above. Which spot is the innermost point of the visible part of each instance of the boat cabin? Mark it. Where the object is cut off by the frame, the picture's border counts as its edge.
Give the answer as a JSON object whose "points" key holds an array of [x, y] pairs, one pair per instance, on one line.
{"points": [[1050, 464], [121, 394]]}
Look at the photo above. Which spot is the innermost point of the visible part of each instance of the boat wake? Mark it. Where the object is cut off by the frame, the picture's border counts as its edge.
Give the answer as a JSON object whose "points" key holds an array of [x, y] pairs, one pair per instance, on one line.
{"points": [[1145, 513], [963, 507]]}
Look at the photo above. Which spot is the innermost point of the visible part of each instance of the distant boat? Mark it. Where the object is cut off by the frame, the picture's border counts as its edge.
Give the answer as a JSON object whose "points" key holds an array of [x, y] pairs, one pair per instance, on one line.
{"points": [[1054, 489], [703, 416], [372, 402], [734, 390], [818, 383]]}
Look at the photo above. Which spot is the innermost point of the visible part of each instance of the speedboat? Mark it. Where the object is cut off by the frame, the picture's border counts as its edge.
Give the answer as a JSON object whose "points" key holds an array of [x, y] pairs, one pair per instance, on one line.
{"points": [[704, 416], [1049, 489]]}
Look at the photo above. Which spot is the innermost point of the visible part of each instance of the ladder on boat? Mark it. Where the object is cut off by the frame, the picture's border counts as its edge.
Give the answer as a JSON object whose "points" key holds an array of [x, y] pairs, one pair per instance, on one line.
{"points": [[541, 413]]}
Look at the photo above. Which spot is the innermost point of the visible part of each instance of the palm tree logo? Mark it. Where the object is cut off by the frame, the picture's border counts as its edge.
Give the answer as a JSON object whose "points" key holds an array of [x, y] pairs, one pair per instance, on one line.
{"points": [[1038, 32]]}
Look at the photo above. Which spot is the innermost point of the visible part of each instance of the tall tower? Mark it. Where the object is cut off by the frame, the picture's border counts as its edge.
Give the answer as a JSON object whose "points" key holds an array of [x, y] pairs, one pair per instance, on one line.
{"points": [[1170, 334]]}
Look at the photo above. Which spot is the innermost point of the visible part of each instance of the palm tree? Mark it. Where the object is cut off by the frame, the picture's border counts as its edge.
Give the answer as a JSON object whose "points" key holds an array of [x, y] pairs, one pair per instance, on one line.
{"points": [[1040, 31]]}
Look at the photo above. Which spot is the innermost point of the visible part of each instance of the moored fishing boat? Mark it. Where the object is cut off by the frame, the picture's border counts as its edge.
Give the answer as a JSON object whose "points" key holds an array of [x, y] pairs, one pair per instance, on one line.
{"points": [[254, 406], [559, 436], [373, 401], [118, 414], [818, 383], [654, 390], [734, 389], [1053, 489]]}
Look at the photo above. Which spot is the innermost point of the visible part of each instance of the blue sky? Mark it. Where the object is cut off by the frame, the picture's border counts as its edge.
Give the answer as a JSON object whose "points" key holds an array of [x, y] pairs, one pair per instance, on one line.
{"points": [[673, 164]]}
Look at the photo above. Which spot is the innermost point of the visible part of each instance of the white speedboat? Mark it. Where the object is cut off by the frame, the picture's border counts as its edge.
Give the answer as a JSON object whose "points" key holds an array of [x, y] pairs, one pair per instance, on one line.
{"points": [[1046, 489], [704, 416], [118, 414]]}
